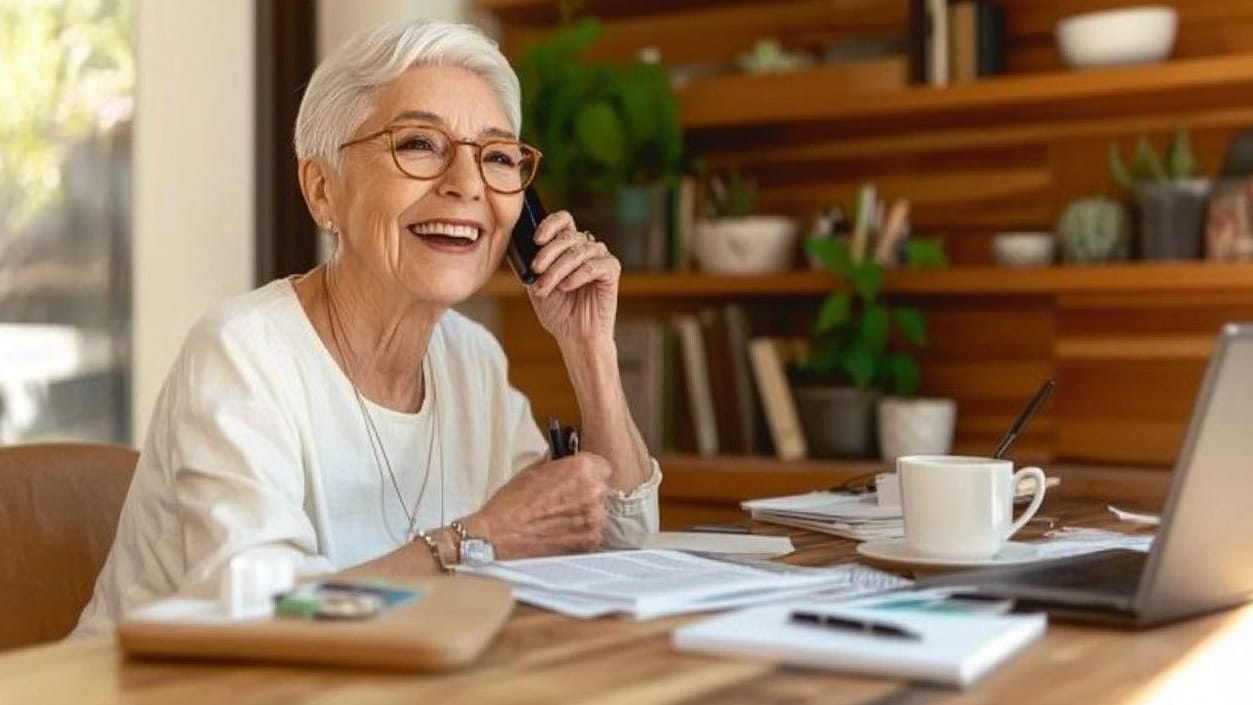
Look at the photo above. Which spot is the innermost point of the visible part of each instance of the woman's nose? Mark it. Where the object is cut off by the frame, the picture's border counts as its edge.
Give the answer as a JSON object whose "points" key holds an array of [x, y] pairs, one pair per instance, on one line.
{"points": [[463, 179]]}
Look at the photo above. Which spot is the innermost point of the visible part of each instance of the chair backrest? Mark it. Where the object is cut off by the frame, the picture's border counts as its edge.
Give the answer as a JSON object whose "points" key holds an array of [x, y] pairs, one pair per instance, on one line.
{"points": [[59, 509]]}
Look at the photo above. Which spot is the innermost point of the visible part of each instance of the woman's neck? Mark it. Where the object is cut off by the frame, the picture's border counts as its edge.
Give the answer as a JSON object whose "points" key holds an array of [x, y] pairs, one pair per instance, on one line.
{"points": [[378, 339]]}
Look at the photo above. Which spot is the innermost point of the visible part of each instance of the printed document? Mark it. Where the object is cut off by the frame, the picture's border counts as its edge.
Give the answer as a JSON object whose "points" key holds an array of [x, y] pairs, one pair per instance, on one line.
{"points": [[654, 583]]}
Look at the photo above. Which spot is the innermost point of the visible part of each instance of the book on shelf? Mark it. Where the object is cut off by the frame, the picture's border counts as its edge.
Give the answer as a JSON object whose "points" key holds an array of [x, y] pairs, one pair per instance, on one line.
{"points": [[963, 50], [641, 364], [722, 385], [954, 41], [696, 374], [990, 37], [776, 397], [750, 417], [937, 43]]}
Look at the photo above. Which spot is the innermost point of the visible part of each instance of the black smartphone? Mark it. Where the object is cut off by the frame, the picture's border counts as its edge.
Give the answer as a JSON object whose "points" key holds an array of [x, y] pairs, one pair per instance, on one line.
{"points": [[522, 247]]}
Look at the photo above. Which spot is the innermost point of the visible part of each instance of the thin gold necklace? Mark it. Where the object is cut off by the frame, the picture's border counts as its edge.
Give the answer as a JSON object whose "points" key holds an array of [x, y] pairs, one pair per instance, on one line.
{"points": [[372, 433]]}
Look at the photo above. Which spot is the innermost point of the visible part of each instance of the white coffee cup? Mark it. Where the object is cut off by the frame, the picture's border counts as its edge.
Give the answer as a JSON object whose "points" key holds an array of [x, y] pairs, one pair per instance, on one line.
{"points": [[961, 507]]}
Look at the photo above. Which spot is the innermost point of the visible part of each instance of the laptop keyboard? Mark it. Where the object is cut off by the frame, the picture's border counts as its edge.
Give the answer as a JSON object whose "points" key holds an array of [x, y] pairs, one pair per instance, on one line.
{"points": [[1115, 572]]}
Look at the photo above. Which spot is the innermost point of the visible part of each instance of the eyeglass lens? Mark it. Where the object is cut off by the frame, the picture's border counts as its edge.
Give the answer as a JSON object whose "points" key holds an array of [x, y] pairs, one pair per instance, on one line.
{"points": [[424, 153]]}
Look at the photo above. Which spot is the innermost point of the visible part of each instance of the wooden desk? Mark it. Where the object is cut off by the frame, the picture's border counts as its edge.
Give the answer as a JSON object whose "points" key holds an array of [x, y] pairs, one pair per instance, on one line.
{"points": [[543, 658]]}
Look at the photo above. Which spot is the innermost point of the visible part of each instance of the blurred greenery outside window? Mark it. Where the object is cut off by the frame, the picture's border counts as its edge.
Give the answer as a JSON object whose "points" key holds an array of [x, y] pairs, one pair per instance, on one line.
{"points": [[67, 81]]}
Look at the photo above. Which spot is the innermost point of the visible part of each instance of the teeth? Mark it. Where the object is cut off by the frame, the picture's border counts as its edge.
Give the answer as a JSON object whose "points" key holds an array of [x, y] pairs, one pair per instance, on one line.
{"points": [[466, 232]]}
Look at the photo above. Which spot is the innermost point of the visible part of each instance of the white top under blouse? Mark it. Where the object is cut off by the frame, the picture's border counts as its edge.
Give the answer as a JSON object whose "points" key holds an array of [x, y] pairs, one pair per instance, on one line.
{"points": [[258, 443]]}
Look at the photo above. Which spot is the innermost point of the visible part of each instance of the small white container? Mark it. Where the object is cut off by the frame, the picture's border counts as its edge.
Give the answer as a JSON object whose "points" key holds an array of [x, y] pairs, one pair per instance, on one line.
{"points": [[1025, 249], [1120, 37], [755, 244]]}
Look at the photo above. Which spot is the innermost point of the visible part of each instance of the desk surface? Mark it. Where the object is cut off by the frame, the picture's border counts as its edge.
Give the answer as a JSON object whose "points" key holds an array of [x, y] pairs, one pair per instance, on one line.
{"points": [[543, 658]]}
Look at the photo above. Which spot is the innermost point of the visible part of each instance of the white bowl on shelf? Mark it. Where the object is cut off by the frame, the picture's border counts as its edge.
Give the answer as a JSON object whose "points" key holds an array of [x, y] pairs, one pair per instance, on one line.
{"points": [[1120, 37], [755, 244], [1024, 249]]}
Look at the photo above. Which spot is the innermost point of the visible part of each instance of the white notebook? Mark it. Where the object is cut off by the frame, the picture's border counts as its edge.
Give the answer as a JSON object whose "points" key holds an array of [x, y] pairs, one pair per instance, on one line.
{"points": [[953, 649]]}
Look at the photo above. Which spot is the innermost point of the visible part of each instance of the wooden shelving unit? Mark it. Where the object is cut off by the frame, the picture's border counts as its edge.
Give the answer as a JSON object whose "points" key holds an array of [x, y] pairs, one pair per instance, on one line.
{"points": [[1127, 342], [974, 281], [816, 95]]}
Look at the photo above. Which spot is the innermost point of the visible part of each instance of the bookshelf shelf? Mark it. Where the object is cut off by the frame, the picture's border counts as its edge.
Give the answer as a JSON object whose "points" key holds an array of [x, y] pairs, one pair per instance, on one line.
{"points": [[810, 96], [958, 281]]}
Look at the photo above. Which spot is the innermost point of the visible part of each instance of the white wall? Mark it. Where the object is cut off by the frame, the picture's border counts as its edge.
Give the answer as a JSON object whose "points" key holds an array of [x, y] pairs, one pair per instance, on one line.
{"points": [[340, 19], [194, 231]]}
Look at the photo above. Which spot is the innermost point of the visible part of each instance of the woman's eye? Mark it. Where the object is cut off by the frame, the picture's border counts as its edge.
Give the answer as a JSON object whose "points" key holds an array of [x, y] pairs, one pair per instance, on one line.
{"points": [[500, 159], [421, 144]]}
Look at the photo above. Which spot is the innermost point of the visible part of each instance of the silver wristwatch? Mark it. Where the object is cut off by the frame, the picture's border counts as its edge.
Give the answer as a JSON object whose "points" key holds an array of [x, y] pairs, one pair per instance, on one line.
{"points": [[477, 551], [472, 550]]}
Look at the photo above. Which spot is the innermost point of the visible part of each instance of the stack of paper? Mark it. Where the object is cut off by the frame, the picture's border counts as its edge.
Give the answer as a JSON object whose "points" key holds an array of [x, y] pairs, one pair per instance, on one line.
{"points": [[941, 644], [1073, 541], [853, 516], [724, 544], [656, 583]]}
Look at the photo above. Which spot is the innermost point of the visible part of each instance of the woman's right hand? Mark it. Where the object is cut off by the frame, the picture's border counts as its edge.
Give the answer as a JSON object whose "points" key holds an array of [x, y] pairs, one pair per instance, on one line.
{"points": [[550, 508]]}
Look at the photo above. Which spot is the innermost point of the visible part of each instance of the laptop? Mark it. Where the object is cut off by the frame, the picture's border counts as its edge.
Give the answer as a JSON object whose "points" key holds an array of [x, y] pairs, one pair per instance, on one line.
{"points": [[1202, 557]]}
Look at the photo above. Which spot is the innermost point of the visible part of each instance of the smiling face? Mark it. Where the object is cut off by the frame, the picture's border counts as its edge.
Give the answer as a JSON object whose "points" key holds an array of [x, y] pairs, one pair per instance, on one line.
{"points": [[435, 240]]}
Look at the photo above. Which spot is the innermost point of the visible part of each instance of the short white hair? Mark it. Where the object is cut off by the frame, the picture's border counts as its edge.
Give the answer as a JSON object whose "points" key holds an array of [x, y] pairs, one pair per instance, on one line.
{"points": [[341, 92]]}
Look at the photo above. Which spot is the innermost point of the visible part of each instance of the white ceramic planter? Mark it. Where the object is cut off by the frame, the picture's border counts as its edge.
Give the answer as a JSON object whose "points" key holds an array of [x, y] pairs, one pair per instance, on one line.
{"points": [[755, 244], [915, 427]]}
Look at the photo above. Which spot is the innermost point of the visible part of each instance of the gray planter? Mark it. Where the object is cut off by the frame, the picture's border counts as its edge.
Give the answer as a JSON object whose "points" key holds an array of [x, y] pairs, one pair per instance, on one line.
{"points": [[632, 224], [1172, 218], [839, 422]]}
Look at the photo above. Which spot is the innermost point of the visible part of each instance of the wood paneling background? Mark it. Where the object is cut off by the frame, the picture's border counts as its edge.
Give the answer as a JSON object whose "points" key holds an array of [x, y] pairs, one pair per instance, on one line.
{"points": [[1127, 365]]}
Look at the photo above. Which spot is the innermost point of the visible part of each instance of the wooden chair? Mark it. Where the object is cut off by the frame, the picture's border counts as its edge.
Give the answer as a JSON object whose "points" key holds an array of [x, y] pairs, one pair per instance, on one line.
{"points": [[59, 510]]}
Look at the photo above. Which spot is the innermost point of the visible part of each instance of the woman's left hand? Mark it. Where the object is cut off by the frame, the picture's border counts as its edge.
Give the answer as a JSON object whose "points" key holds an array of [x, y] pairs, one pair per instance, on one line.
{"points": [[576, 295]]}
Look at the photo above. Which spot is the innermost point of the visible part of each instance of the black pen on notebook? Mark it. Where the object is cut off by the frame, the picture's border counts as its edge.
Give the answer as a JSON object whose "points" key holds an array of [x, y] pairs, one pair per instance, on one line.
{"points": [[859, 626]]}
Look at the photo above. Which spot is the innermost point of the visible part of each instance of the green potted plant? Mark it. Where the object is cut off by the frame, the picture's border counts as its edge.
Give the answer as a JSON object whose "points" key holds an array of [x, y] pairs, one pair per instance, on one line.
{"points": [[1171, 196], [733, 238], [611, 139], [861, 348]]}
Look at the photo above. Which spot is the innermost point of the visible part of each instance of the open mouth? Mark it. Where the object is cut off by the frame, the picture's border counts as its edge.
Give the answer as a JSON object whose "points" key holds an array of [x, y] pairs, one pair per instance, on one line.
{"points": [[447, 234]]}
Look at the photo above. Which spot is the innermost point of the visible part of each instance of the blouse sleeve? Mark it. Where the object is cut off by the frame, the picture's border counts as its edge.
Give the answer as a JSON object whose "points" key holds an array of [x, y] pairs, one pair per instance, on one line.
{"points": [[236, 461]]}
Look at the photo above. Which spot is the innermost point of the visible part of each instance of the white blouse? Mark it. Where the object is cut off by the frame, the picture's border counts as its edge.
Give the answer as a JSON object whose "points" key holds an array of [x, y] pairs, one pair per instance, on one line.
{"points": [[258, 443]]}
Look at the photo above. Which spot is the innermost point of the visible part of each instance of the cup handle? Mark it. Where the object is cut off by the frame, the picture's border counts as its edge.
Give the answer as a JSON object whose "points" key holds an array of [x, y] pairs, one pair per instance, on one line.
{"points": [[1036, 499]]}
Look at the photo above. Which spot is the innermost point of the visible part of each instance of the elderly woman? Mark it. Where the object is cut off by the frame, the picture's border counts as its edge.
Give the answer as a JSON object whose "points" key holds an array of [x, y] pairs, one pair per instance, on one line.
{"points": [[348, 419]]}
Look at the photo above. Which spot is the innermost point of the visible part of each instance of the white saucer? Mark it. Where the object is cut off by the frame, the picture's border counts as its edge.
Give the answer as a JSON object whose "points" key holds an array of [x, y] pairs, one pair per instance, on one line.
{"points": [[895, 551]]}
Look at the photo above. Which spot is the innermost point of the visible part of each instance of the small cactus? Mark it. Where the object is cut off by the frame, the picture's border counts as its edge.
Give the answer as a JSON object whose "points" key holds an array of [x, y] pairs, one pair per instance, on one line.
{"points": [[1146, 165], [1094, 229]]}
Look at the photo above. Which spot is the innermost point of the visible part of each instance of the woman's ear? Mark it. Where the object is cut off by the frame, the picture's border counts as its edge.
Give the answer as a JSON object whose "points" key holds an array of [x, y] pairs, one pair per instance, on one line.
{"points": [[316, 187]]}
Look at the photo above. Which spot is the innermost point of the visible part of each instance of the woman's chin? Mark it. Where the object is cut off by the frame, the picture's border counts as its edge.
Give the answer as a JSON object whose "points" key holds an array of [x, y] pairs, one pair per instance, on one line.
{"points": [[446, 286]]}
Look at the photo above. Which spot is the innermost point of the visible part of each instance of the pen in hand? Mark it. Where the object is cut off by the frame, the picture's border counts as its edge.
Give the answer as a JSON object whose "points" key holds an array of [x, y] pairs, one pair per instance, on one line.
{"points": [[562, 441], [867, 627]]}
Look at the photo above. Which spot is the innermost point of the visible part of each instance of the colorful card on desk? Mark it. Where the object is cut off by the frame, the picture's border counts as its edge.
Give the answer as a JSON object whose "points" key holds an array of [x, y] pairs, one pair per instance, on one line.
{"points": [[879, 636]]}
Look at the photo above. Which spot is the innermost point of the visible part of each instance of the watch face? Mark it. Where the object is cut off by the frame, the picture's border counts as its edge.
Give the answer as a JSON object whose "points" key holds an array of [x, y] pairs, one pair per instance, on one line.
{"points": [[477, 551]]}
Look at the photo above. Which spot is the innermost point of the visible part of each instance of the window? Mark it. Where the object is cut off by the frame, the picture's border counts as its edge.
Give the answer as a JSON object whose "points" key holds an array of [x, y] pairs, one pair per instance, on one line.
{"points": [[68, 82]]}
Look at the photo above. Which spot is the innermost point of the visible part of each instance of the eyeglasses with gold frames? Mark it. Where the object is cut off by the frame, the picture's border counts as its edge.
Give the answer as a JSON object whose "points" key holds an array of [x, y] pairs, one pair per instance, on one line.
{"points": [[425, 152]]}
